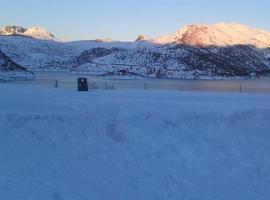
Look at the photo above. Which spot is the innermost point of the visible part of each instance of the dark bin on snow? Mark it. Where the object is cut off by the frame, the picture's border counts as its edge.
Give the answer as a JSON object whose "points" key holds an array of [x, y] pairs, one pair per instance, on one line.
{"points": [[82, 84]]}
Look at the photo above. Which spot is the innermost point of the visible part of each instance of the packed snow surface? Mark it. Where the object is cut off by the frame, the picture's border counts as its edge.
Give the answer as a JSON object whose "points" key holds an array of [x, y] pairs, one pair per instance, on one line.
{"points": [[58, 144]]}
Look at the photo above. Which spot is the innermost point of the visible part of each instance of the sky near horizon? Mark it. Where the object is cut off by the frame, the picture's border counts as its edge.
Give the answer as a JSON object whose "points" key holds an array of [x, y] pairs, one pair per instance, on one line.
{"points": [[125, 19]]}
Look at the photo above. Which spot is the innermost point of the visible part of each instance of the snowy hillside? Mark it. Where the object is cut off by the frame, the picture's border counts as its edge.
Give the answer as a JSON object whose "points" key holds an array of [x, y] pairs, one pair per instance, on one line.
{"points": [[186, 62], [35, 53], [63, 145], [10, 69]]}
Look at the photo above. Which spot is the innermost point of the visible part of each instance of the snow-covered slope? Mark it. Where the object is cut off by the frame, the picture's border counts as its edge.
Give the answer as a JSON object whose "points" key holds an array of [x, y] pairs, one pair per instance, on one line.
{"points": [[63, 145], [6, 64], [220, 34], [34, 32], [35, 53], [10, 69], [187, 62]]}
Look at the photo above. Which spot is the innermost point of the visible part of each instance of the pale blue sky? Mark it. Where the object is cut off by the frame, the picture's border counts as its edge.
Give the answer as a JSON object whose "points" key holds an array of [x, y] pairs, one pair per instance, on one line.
{"points": [[126, 19]]}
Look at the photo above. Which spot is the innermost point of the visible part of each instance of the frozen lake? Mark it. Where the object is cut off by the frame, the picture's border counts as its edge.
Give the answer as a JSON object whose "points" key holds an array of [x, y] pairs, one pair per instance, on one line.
{"points": [[69, 81]]}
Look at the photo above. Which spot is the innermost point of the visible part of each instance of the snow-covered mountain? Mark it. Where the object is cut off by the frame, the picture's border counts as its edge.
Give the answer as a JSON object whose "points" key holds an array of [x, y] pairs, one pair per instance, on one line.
{"points": [[196, 51], [221, 34], [34, 32]]}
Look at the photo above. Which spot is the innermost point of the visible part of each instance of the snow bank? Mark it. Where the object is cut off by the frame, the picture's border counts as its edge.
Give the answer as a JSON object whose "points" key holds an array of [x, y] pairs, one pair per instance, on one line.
{"points": [[62, 145]]}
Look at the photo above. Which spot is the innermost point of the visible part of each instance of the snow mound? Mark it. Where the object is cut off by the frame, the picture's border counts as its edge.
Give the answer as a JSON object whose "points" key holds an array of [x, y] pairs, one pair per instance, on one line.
{"points": [[63, 145]]}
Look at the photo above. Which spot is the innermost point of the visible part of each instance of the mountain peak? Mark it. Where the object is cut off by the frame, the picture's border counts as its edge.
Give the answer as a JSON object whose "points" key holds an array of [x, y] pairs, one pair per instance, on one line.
{"points": [[220, 34], [143, 38], [40, 33], [34, 32]]}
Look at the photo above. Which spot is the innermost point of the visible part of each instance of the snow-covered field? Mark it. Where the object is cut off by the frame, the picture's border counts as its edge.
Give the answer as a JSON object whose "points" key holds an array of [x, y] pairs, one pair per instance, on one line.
{"points": [[57, 144]]}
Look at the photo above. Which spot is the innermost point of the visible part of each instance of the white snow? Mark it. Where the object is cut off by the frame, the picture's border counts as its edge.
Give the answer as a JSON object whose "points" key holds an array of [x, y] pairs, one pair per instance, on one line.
{"points": [[63, 145]]}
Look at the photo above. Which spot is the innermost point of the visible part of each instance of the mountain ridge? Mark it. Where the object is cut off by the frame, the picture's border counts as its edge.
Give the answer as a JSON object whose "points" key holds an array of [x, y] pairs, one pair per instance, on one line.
{"points": [[194, 52], [219, 34]]}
